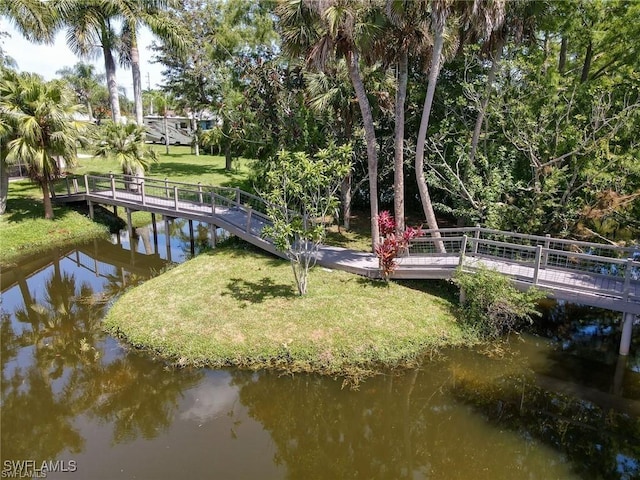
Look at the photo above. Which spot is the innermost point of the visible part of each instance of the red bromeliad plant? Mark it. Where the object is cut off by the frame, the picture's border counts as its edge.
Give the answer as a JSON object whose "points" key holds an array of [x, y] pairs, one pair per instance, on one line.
{"points": [[393, 243]]}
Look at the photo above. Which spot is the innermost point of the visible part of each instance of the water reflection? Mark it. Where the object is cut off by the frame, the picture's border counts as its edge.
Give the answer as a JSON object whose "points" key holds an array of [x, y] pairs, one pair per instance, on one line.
{"points": [[70, 392]]}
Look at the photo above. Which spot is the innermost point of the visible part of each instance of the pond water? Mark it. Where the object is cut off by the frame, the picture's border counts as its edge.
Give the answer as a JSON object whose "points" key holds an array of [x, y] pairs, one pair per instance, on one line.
{"points": [[556, 406]]}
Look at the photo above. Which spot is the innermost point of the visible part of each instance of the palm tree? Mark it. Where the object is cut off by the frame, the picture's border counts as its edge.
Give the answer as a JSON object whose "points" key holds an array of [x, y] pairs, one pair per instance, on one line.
{"points": [[90, 30], [323, 30], [153, 14], [35, 19], [40, 127], [125, 143], [84, 81]]}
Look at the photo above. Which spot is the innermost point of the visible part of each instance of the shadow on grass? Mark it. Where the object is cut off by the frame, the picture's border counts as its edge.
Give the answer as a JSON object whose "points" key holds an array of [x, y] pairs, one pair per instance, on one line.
{"points": [[258, 292], [30, 208], [372, 282]]}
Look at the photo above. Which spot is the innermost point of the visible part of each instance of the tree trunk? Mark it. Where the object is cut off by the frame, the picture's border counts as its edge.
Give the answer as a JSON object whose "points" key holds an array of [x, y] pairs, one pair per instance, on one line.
{"points": [[227, 145], [345, 188], [485, 101], [370, 137], [434, 70], [166, 132], [196, 147], [46, 199], [398, 155], [562, 62], [586, 66], [137, 82], [112, 84], [90, 111], [4, 184]]}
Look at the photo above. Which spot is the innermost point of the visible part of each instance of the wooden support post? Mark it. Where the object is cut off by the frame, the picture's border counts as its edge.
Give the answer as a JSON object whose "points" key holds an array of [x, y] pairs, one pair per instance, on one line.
{"points": [[463, 249], [68, 186], [113, 187], [166, 187], [462, 299], [192, 242], [536, 268], [627, 330], [175, 198], [155, 232], [213, 203], [238, 196], [86, 184], [115, 210], [129, 227], [90, 203], [167, 237], [214, 235], [200, 192], [75, 185], [144, 200]]}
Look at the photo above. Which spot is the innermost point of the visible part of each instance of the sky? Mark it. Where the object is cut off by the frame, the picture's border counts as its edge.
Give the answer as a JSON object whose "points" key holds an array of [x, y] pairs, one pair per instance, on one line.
{"points": [[47, 59]]}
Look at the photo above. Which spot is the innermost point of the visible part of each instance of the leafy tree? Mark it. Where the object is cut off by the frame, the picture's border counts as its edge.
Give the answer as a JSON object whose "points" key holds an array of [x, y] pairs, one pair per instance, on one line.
{"points": [[300, 191], [39, 127], [35, 19]]}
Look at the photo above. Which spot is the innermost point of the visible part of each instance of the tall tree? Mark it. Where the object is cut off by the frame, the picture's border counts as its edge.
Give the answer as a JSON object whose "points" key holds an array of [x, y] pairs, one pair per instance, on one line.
{"points": [[35, 19], [43, 131], [153, 14], [319, 31], [84, 82], [90, 30]]}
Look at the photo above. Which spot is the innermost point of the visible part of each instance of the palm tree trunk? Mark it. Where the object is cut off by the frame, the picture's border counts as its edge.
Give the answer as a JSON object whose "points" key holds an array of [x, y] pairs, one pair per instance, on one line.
{"points": [[112, 84], [370, 137], [434, 70], [485, 101], [46, 199], [4, 184], [398, 156], [137, 82]]}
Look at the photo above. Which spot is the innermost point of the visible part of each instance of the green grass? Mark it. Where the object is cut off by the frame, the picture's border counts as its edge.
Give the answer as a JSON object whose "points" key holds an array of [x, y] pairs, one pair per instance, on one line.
{"points": [[235, 307], [24, 230], [180, 166]]}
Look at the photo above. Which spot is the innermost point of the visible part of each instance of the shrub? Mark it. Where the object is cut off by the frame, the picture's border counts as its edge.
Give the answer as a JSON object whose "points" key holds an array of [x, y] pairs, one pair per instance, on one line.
{"points": [[493, 306]]}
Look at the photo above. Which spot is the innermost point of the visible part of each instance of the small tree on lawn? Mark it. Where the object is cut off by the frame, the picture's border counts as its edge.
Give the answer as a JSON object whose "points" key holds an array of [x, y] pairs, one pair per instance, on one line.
{"points": [[301, 195]]}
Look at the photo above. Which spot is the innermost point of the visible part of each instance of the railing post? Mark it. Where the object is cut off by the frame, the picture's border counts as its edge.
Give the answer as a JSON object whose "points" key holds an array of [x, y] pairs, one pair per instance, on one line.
{"points": [[166, 187], [249, 211], [536, 268], [86, 183], [463, 249], [238, 196], [75, 185], [547, 244], [175, 198], [627, 279], [200, 192], [144, 199], [113, 186], [68, 186], [213, 203], [476, 239]]}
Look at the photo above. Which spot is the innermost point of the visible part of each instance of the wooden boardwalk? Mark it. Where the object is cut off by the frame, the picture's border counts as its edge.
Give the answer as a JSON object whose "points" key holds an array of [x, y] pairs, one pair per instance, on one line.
{"points": [[587, 273]]}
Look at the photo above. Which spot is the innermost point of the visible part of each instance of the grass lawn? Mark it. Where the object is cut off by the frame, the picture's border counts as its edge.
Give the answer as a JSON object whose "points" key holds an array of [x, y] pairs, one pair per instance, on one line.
{"points": [[24, 230], [235, 307]]}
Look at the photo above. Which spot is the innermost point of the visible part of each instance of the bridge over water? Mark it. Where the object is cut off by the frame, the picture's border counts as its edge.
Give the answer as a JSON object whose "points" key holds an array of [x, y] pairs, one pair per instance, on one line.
{"points": [[605, 276]]}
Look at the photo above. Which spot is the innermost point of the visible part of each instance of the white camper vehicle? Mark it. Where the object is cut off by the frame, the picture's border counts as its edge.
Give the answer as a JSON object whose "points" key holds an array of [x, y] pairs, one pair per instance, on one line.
{"points": [[178, 129]]}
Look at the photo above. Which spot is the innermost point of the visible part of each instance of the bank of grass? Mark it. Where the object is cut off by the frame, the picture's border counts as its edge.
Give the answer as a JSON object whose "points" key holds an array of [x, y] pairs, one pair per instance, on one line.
{"points": [[236, 307], [24, 230]]}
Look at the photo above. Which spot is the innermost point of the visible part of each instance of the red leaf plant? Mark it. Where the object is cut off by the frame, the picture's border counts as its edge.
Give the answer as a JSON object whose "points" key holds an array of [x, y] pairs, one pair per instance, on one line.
{"points": [[392, 244]]}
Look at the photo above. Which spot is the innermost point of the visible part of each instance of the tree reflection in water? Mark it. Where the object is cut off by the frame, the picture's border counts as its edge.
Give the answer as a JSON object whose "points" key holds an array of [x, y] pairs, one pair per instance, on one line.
{"points": [[53, 372], [395, 426]]}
